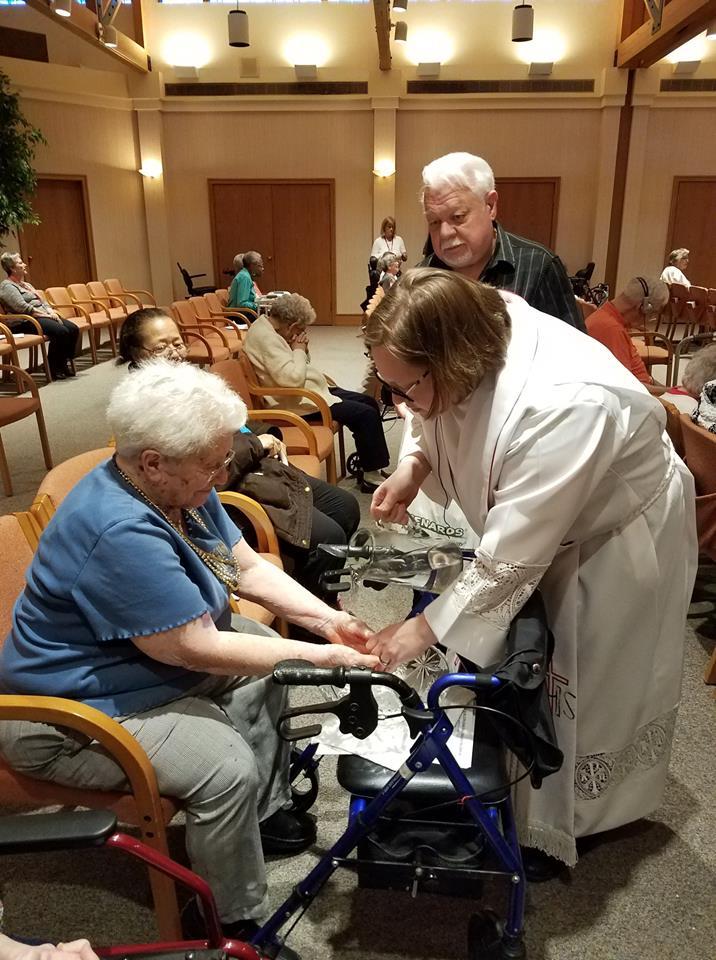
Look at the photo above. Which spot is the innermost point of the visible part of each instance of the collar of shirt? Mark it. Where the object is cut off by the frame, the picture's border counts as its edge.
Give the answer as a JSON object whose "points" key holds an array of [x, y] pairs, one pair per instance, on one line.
{"points": [[502, 259]]}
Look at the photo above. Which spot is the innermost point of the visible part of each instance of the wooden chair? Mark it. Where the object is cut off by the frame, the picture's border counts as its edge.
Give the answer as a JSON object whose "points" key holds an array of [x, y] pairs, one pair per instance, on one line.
{"points": [[58, 482], [61, 302], [233, 335], [116, 308], [133, 299], [266, 546], [218, 308], [223, 294], [101, 318], [11, 343], [700, 447], [212, 337], [257, 393], [17, 407], [142, 806], [301, 438]]}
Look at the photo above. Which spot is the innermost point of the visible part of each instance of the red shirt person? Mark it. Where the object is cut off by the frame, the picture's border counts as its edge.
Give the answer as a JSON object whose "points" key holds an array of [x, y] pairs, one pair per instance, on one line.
{"points": [[641, 299]]}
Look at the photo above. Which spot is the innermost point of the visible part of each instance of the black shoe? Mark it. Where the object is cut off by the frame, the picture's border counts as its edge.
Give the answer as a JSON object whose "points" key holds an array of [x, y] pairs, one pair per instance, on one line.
{"points": [[246, 929], [287, 832], [539, 866], [69, 370], [365, 486], [59, 375]]}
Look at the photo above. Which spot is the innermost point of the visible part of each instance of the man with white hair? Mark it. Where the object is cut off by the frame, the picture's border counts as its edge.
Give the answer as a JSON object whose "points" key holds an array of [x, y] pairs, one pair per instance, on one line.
{"points": [[640, 300], [460, 203]]}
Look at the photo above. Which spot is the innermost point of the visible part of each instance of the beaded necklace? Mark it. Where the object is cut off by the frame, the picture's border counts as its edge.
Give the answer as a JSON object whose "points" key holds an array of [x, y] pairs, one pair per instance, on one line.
{"points": [[220, 560]]}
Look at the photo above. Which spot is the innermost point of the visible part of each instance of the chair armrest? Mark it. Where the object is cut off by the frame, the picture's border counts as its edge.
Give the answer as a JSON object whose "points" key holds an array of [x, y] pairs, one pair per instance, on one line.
{"points": [[65, 830], [266, 539], [144, 293], [42, 509], [111, 297], [20, 374], [211, 328], [26, 318], [126, 293], [96, 303], [118, 743], [311, 395], [653, 339], [245, 312], [287, 417]]}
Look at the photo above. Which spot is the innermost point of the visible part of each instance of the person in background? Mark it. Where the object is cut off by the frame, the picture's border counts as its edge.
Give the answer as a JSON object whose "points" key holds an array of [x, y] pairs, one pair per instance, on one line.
{"points": [[705, 413], [242, 292], [642, 299], [277, 346], [700, 370], [559, 460], [17, 295], [460, 205], [388, 241], [390, 267], [673, 272], [305, 511], [127, 608]]}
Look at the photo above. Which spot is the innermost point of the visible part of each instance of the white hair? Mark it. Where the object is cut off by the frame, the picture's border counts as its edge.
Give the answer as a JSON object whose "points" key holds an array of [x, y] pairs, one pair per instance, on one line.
{"points": [[701, 369], [9, 261], [649, 293], [678, 254], [174, 408], [463, 170], [386, 260]]}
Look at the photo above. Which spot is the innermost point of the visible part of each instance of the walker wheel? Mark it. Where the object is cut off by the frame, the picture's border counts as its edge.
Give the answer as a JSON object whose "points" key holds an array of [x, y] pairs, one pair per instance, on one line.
{"points": [[484, 936], [353, 465]]}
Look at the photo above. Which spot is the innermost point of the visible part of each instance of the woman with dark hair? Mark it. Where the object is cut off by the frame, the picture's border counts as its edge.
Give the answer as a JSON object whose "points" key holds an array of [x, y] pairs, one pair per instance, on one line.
{"points": [[388, 241], [304, 510], [566, 475]]}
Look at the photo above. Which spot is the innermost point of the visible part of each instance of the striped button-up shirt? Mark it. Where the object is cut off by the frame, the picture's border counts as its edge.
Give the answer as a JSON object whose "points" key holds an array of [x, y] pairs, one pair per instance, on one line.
{"points": [[532, 272]]}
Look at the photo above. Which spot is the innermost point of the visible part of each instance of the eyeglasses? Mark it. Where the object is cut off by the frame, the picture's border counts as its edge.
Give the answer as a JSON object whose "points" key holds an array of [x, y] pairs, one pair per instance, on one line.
{"points": [[178, 346], [211, 474], [396, 391]]}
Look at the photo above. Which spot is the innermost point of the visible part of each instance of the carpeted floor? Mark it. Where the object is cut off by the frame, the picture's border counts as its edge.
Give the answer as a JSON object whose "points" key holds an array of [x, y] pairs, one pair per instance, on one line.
{"points": [[646, 892]]}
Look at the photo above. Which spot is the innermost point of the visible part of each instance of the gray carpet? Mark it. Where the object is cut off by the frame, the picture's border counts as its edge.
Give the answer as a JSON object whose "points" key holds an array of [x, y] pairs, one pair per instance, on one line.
{"points": [[647, 891]]}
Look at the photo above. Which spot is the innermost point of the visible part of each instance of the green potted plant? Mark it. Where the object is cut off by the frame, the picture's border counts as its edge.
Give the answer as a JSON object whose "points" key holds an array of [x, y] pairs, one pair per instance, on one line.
{"points": [[18, 180]]}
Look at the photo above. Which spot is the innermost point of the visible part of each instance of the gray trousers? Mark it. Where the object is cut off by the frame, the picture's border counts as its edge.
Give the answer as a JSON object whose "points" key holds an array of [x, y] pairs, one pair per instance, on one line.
{"points": [[215, 749]]}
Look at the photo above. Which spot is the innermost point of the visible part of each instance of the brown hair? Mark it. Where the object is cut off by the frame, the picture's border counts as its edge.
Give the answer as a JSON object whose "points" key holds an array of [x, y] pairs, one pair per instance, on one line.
{"points": [[457, 328], [384, 224]]}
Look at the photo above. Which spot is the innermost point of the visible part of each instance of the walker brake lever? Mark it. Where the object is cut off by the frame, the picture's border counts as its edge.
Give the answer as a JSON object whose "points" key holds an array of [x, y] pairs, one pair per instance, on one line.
{"points": [[357, 714]]}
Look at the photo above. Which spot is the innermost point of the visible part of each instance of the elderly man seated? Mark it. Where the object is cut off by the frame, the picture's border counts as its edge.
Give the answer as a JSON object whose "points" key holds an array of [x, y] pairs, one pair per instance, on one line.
{"points": [[127, 609], [17, 295], [640, 300]]}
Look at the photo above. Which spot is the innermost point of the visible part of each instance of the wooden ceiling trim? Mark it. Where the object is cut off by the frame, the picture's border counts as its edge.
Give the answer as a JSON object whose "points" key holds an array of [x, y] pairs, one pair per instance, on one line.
{"points": [[83, 23], [681, 20], [381, 8]]}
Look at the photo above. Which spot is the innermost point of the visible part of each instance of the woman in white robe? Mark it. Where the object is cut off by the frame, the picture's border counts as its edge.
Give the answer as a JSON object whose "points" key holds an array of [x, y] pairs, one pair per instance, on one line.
{"points": [[558, 459]]}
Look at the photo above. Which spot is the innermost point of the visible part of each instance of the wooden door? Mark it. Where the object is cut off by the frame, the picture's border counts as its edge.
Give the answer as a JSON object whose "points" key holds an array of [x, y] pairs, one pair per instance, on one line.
{"points": [[290, 222], [242, 220], [59, 250], [692, 224], [303, 243], [528, 206]]}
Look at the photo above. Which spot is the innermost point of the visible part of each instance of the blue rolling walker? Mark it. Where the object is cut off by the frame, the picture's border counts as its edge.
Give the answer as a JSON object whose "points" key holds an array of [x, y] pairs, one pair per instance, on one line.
{"points": [[393, 838]]}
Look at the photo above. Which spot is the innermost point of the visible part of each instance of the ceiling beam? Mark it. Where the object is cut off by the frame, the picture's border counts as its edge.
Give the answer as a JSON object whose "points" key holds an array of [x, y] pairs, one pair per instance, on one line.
{"points": [[681, 20], [83, 23], [381, 8]]}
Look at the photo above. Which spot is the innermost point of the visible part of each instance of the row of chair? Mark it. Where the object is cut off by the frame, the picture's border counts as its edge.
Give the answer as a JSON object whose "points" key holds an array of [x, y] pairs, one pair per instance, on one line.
{"points": [[142, 806]]}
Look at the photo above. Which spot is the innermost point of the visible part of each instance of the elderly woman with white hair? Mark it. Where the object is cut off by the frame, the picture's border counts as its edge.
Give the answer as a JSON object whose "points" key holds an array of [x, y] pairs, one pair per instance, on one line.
{"points": [[673, 272], [126, 609]]}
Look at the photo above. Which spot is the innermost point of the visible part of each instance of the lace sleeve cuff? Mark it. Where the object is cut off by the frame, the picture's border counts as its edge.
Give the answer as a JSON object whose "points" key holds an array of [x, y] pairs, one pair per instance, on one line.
{"points": [[473, 618]]}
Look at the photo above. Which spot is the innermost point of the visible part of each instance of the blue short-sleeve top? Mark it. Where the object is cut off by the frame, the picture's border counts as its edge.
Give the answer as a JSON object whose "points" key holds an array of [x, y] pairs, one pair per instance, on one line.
{"points": [[109, 567]]}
